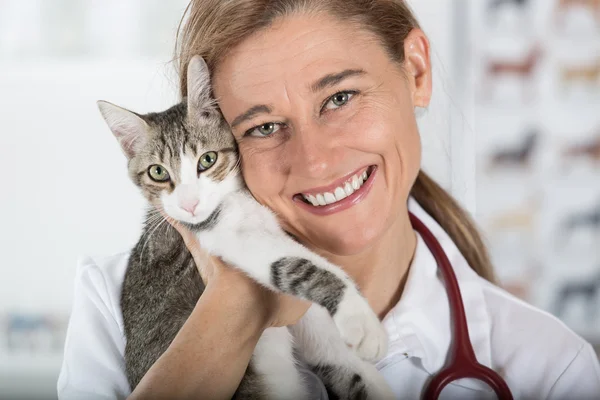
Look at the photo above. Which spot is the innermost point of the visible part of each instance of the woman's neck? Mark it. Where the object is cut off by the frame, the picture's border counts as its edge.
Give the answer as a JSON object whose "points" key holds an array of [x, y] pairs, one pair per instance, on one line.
{"points": [[381, 271]]}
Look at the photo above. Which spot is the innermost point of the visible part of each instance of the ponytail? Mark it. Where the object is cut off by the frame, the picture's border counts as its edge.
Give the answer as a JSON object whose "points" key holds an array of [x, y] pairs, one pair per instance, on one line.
{"points": [[456, 222]]}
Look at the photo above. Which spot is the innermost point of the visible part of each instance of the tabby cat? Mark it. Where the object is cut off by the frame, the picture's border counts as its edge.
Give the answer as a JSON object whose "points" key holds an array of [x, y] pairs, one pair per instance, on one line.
{"points": [[185, 162]]}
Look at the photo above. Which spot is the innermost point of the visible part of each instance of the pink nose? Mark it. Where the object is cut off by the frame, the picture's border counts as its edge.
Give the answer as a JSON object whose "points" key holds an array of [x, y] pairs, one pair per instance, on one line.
{"points": [[190, 206]]}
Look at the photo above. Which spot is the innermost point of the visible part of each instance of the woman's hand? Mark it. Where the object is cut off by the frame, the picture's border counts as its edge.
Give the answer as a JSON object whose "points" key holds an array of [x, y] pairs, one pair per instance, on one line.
{"points": [[276, 309]]}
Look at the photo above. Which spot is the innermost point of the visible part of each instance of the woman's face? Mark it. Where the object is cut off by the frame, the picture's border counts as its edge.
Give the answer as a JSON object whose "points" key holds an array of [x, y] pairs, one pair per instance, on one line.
{"points": [[314, 103]]}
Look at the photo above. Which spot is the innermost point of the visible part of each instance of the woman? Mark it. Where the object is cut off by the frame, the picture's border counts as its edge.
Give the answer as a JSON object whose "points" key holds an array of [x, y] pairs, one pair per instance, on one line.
{"points": [[315, 91]]}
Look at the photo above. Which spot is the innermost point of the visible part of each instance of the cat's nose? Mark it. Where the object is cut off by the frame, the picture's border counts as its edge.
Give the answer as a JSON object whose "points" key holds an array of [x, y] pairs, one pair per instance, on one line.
{"points": [[190, 206]]}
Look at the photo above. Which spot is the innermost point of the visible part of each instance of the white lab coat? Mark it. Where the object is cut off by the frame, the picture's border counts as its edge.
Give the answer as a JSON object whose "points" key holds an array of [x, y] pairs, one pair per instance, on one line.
{"points": [[535, 353]]}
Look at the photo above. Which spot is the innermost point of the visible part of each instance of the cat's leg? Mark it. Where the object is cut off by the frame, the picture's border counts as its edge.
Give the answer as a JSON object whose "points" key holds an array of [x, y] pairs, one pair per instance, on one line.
{"points": [[314, 278], [319, 344], [273, 372], [275, 260]]}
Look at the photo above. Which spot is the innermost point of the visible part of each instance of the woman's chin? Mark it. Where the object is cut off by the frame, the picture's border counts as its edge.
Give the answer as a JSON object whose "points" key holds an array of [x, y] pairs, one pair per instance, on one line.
{"points": [[344, 241]]}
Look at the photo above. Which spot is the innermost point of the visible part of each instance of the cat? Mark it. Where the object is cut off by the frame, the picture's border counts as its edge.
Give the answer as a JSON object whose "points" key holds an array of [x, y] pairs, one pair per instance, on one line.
{"points": [[185, 162]]}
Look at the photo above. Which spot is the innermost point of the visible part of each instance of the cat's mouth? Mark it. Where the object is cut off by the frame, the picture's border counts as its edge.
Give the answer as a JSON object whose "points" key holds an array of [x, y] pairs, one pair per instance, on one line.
{"points": [[347, 188]]}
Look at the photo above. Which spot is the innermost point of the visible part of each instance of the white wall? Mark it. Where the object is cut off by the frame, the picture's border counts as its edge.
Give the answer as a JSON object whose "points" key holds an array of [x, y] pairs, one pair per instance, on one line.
{"points": [[65, 191], [447, 129]]}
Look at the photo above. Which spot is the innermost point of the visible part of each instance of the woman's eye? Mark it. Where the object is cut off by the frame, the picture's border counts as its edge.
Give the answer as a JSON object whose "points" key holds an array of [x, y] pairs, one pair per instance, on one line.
{"points": [[158, 173], [338, 100], [264, 130]]}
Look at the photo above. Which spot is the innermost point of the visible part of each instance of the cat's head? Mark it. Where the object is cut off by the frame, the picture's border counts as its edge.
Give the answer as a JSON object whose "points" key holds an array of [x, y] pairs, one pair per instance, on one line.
{"points": [[183, 159]]}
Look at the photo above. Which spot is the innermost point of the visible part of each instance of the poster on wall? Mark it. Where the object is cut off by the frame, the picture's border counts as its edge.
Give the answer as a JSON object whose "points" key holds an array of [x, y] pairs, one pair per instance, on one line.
{"points": [[536, 71]]}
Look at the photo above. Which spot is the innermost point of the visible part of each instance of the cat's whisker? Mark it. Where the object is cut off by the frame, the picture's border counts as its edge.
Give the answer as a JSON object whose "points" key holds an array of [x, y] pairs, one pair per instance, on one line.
{"points": [[153, 213], [147, 234], [152, 218], [156, 211], [172, 221], [150, 235], [152, 224], [237, 166], [161, 211]]}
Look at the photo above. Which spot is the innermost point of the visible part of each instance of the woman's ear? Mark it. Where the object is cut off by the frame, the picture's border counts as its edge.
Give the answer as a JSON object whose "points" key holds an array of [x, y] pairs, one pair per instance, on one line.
{"points": [[417, 65]]}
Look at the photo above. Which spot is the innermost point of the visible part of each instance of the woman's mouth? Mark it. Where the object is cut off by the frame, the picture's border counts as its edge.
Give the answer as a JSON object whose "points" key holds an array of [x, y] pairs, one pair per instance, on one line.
{"points": [[340, 197]]}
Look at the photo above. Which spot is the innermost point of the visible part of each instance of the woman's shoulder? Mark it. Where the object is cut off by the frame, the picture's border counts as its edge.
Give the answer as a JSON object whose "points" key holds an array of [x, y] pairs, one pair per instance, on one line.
{"points": [[101, 277], [112, 266], [526, 323], [103, 270], [93, 363], [536, 347]]}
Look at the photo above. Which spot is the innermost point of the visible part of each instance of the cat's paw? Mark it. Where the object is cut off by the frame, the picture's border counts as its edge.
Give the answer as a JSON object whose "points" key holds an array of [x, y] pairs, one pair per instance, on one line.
{"points": [[360, 328]]}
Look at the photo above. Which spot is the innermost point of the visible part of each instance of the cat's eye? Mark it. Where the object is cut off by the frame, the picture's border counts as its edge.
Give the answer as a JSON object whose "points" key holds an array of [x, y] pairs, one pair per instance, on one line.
{"points": [[207, 160], [158, 173]]}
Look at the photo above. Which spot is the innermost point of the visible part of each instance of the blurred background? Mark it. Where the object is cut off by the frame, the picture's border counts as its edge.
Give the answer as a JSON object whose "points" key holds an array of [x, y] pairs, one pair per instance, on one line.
{"points": [[513, 132]]}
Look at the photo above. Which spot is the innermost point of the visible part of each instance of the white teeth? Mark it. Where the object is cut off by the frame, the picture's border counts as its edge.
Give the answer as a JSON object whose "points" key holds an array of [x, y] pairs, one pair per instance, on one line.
{"points": [[312, 199], [329, 198], [340, 194], [348, 189]]}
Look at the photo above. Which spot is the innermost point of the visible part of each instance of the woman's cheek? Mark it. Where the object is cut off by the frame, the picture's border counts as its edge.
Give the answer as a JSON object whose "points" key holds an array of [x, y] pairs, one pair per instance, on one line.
{"points": [[368, 125], [259, 167]]}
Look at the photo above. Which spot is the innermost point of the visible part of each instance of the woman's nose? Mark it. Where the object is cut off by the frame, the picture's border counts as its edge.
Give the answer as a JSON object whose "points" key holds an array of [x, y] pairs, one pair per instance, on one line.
{"points": [[312, 151]]}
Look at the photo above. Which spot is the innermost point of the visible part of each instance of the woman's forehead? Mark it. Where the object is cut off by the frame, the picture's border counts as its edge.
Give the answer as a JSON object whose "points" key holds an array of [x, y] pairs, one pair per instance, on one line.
{"points": [[295, 51]]}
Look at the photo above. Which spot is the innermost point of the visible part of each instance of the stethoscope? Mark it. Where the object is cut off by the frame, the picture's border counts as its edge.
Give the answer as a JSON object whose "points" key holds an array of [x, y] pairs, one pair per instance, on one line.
{"points": [[461, 362]]}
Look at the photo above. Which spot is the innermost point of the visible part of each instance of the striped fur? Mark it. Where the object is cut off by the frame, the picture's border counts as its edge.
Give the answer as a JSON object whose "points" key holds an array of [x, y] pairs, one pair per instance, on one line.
{"points": [[301, 277]]}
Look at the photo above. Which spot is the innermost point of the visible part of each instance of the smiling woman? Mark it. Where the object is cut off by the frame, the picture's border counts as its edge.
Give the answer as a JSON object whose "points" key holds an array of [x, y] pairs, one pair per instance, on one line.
{"points": [[308, 115], [320, 96]]}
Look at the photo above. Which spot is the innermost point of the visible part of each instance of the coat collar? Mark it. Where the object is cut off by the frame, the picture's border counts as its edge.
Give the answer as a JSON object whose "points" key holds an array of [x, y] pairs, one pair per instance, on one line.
{"points": [[419, 325]]}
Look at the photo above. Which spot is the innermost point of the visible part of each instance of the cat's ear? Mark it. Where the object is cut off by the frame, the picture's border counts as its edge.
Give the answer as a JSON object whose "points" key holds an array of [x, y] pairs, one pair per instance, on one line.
{"points": [[130, 130], [199, 100]]}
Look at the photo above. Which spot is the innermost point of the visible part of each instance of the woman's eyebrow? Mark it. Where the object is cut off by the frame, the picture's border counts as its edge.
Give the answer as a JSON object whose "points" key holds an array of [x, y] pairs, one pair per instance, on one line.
{"points": [[251, 112], [333, 79], [322, 83]]}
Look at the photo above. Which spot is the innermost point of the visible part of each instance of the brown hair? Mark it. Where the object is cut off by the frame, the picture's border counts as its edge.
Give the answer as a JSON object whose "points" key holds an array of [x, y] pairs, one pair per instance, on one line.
{"points": [[211, 28]]}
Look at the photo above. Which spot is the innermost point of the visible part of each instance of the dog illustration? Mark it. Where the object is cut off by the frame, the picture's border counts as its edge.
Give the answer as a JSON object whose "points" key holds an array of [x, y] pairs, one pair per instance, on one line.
{"points": [[522, 68], [585, 73], [519, 156], [587, 288], [520, 219], [494, 5], [589, 218], [589, 149]]}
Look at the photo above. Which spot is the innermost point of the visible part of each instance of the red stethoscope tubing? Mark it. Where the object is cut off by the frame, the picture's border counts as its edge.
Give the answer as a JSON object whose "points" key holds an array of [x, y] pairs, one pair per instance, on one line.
{"points": [[461, 362]]}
